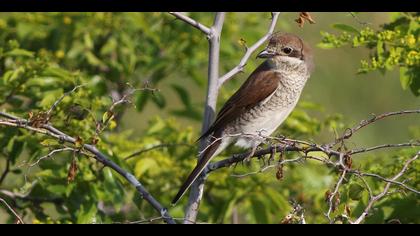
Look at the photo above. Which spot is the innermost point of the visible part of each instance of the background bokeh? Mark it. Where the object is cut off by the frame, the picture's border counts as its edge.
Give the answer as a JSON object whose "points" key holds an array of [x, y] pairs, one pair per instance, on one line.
{"points": [[109, 50]]}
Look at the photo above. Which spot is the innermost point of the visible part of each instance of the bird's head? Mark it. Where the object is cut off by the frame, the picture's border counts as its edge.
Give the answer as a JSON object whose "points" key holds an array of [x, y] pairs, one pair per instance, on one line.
{"points": [[284, 47]]}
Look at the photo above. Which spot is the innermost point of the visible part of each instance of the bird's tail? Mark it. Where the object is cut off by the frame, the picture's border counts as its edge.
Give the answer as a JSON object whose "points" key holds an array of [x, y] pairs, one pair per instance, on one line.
{"points": [[207, 155]]}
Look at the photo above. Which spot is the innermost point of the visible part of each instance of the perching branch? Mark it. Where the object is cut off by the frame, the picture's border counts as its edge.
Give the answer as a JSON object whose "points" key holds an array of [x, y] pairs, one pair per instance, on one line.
{"points": [[49, 130], [342, 163]]}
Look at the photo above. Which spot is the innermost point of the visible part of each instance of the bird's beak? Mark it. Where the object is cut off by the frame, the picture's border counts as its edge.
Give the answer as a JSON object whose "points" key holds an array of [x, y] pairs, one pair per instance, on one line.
{"points": [[266, 54]]}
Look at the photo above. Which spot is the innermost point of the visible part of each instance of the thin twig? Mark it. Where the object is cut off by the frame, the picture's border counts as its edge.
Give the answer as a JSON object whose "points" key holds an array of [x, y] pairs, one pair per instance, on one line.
{"points": [[162, 145], [62, 97], [6, 171], [51, 131], [192, 22], [249, 51], [349, 132], [376, 198], [12, 210], [331, 198], [398, 145]]}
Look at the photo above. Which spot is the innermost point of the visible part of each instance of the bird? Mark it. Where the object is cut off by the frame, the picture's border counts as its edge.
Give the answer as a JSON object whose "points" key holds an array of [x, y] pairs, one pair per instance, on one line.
{"points": [[261, 104]]}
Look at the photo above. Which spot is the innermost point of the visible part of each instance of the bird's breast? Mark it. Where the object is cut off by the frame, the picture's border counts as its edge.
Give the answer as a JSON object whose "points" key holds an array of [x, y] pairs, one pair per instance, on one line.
{"points": [[264, 118]]}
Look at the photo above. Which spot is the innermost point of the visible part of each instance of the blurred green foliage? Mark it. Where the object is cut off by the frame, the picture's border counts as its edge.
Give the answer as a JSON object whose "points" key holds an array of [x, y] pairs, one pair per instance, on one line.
{"points": [[44, 55], [396, 44]]}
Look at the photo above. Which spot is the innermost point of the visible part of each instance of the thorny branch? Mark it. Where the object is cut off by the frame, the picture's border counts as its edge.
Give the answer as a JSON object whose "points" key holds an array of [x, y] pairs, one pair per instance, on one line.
{"points": [[376, 198], [49, 130], [342, 161]]}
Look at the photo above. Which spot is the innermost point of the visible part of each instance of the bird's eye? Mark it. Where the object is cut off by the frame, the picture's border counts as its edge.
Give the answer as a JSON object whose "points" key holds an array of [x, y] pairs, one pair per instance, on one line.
{"points": [[287, 50]]}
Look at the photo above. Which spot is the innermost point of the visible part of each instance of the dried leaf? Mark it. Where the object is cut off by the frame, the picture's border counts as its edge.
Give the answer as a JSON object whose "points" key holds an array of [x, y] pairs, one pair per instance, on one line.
{"points": [[307, 16], [38, 119], [95, 140], [279, 172], [72, 171], [347, 210], [335, 202], [78, 143], [300, 21], [304, 16], [327, 195]]}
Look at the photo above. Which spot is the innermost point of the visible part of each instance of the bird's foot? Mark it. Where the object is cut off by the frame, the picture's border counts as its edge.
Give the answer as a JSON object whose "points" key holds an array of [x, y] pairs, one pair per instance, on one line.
{"points": [[250, 154]]}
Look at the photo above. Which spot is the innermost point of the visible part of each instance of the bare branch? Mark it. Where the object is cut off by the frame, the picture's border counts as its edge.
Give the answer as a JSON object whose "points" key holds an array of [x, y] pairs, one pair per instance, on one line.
{"points": [[5, 171], [364, 23], [192, 22], [333, 196], [162, 145], [12, 210], [376, 198], [197, 187], [62, 97], [249, 51], [51, 131], [390, 181], [398, 145], [349, 132]]}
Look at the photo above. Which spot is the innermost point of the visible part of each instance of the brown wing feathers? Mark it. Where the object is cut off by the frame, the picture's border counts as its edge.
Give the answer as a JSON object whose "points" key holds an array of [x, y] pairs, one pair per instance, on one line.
{"points": [[260, 84]]}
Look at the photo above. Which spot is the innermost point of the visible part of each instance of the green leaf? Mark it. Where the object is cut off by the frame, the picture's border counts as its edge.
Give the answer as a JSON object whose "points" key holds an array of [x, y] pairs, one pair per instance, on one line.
{"points": [[182, 94], [13, 75], [109, 46], [50, 97], [159, 100], [345, 27], [87, 215], [58, 72], [143, 165], [325, 45], [260, 210], [56, 189], [19, 52], [141, 100], [380, 48], [355, 191], [107, 116], [405, 79], [88, 41], [93, 60], [15, 149], [50, 142]]}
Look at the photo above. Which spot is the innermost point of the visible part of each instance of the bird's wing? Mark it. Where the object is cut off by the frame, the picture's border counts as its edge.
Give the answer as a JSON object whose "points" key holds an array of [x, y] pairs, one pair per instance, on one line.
{"points": [[260, 85]]}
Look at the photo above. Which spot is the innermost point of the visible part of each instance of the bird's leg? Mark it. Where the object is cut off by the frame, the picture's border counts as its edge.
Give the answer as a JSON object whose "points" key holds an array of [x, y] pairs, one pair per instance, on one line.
{"points": [[251, 154], [272, 155]]}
